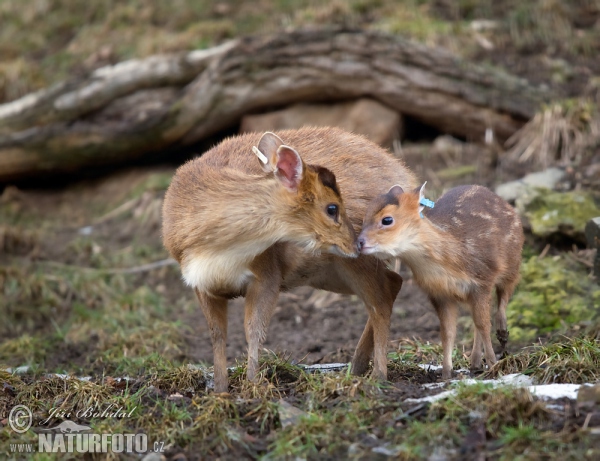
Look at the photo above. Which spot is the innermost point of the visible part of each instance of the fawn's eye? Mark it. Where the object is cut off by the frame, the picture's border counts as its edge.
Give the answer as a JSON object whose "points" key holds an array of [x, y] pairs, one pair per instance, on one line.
{"points": [[332, 210], [387, 221]]}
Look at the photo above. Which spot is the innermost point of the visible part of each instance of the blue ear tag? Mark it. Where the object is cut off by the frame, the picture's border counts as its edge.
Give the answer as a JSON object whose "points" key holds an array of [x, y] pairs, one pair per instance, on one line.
{"points": [[426, 202]]}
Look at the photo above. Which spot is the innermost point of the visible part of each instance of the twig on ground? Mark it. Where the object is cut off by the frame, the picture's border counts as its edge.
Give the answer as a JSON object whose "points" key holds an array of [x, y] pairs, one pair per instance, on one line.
{"points": [[544, 251], [127, 270]]}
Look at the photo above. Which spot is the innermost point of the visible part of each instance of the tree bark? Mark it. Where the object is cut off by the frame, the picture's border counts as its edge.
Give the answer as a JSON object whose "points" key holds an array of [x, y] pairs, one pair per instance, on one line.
{"points": [[123, 111]]}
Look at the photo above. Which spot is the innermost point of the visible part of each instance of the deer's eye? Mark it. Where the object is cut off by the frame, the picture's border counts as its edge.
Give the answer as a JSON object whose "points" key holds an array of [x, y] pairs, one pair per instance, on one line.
{"points": [[332, 210], [387, 221]]}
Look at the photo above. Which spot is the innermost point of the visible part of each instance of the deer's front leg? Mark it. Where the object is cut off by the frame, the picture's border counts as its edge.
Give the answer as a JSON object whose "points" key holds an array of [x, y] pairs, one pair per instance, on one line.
{"points": [[377, 287], [215, 311], [261, 298]]}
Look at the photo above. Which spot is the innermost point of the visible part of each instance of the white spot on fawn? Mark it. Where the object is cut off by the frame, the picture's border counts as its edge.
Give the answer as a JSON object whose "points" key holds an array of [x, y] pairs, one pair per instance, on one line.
{"points": [[483, 215]]}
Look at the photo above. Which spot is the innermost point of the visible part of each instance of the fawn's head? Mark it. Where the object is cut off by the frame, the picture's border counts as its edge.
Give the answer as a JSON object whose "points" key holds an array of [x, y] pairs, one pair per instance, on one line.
{"points": [[309, 199], [392, 223]]}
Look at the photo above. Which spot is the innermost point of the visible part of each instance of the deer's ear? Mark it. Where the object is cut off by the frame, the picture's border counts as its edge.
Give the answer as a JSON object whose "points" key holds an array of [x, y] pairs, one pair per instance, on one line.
{"points": [[396, 191], [267, 147], [421, 197], [288, 168]]}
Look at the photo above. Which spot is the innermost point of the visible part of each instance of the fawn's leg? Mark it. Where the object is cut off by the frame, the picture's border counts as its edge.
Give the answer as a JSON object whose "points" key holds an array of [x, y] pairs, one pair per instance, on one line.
{"points": [[504, 294], [261, 298], [378, 287], [447, 312], [476, 353], [215, 311], [480, 310]]}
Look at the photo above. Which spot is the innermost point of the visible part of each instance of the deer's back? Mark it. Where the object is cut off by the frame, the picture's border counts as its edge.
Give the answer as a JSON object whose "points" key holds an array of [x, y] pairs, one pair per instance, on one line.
{"points": [[362, 169], [488, 229]]}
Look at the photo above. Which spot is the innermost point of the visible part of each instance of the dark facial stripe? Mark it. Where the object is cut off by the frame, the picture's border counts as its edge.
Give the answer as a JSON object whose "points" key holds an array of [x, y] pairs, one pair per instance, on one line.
{"points": [[326, 177], [379, 203], [389, 199]]}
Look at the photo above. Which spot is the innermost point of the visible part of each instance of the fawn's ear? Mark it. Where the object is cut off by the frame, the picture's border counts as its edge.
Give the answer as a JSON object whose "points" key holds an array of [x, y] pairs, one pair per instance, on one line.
{"points": [[396, 191], [288, 168], [266, 151], [421, 197]]}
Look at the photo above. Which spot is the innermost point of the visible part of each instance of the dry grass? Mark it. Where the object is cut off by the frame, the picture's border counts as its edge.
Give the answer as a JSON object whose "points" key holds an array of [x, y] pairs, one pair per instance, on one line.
{"points": [[336, 414], [69, 395], [14, 240], [566, 360], [560, 134], [497, 407], [185, 379]]}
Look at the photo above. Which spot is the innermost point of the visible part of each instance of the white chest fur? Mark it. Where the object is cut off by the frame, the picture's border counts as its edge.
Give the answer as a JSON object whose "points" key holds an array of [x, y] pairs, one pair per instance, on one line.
{"points": [[220, 271]]}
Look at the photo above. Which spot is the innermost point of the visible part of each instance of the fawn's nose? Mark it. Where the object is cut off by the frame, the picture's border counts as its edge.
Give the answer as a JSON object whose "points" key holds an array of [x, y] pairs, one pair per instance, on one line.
{"points": [[360, 243]]}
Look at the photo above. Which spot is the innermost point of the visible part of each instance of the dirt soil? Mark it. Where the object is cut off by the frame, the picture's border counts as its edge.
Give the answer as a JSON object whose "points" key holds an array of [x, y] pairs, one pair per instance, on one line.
{"points": [[320, 327]]}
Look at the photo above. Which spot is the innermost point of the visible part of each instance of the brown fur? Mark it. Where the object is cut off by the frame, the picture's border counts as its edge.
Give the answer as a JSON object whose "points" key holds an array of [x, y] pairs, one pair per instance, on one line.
{"points": [[224, 204], [469, 244]]}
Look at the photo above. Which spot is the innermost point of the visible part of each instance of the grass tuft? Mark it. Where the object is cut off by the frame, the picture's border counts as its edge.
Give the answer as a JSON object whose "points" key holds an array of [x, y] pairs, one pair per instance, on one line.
{"points": [[569, 360], [69, 394], [186, 380], [561, 133], [412, 351]]}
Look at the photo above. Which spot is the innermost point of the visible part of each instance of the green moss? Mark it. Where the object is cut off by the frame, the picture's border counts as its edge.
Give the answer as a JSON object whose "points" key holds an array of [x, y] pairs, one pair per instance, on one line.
{"points": [[554, 292], [411, 352], [456, 172], [564, 212], [413, 19]]}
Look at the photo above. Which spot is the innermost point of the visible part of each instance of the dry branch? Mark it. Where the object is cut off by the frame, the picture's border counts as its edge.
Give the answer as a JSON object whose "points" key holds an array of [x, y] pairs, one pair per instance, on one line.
{"points": [[120, 112]]}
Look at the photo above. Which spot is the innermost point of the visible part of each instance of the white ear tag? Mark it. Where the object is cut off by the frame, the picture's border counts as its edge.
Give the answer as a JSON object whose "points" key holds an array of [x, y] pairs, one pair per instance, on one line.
{"points": [[260, 155]]}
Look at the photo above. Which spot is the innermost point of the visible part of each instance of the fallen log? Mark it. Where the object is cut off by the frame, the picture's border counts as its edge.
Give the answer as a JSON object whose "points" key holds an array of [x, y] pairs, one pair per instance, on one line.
{"points": [[121, 112]]}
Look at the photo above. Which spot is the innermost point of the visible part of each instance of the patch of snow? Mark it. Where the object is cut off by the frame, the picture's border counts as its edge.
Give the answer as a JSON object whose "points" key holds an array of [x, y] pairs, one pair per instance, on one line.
{"points": [[555, 391], [386, 450], [428, 367], [325, 367], [433, 398], [543, 391], [553, 406], [63, 376], [516, 379], [433, 385], [18, 370]]}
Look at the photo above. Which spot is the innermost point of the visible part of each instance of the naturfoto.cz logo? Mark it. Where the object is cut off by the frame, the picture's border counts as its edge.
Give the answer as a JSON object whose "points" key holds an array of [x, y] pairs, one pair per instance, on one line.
{"points": [[70, 437]]}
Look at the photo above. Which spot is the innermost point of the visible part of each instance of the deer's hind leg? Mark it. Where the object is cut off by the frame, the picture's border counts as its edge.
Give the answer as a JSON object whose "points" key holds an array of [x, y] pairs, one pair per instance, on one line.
{"points": [[504, 292], [480, 310], [364, 350]]}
